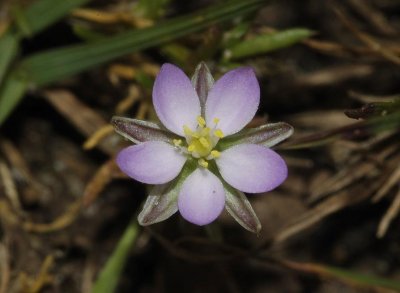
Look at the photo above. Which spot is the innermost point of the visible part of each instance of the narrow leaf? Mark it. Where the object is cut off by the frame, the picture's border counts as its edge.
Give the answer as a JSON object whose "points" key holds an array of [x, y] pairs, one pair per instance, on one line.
{"points": [[50, 66], [11, 93], [43, 13], [267, 135], [46, 67], [8, 50], [107, 280], [139, 131], [265, 43], [239, 207], [202, 81]]}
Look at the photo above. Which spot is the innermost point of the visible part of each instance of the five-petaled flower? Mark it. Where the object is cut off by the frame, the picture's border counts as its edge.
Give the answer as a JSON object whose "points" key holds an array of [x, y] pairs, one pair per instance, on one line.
{"points": [[201, 159]]}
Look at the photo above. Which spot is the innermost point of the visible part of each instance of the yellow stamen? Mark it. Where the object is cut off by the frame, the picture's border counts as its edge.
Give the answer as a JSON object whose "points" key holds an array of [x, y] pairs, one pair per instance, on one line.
{"points": [[191, 148], [215, 154], [219, 133], [201, 121], [203, 163], [204, 142], [216, 120], [177, 142]]}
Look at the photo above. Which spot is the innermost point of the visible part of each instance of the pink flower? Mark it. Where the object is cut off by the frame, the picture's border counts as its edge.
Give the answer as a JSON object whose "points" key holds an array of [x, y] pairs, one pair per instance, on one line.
{"points": [[201, 159]]}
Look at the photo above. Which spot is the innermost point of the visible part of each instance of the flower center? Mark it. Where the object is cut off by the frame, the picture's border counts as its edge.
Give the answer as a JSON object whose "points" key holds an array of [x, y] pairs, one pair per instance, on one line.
{"points": [[201, 141]]}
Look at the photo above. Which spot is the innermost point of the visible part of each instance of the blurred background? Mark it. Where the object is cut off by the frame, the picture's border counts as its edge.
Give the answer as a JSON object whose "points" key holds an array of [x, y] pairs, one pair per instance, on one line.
{"points": [[68, 215]]}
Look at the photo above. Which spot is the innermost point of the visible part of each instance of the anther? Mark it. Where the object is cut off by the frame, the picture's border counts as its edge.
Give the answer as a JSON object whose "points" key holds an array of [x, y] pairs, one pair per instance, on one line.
{"points": [[219, 133], [204, 142], [203, 163], [191, 148], [201, 121], [177, 142], [216, 120], [215, 154]]}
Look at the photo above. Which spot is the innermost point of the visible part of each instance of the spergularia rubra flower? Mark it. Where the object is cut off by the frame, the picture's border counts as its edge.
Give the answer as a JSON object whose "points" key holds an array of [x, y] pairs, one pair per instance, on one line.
{"points": [[201, 159]]}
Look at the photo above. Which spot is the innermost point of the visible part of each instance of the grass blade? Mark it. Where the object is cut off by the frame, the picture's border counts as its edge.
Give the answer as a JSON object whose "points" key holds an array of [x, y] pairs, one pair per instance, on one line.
{"points": [[50, 66], [42, 13], [265, 43], [11, 93], [8, 50], [44, 68], [107, 280]]}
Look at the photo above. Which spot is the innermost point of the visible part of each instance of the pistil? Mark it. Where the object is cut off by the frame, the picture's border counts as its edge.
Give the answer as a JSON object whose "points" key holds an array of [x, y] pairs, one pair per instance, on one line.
{"points": [[201, 142]]}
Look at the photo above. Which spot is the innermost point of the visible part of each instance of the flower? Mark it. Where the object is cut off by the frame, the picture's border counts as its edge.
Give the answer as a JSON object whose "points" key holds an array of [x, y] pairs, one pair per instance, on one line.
{"points": [[201, 159]]}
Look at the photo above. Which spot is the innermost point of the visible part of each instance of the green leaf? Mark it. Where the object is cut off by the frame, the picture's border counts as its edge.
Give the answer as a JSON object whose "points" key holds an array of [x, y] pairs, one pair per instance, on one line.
{"points": [[265, 43], [10, 94], [107, 280], [43, 13], [8, 50], [151, 8], [44, 68], [47, 67]]}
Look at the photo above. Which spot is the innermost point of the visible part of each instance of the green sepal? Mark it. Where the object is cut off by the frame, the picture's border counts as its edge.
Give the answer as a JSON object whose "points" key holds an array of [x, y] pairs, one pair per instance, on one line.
{"points": [[162, 201], [267, 135]]}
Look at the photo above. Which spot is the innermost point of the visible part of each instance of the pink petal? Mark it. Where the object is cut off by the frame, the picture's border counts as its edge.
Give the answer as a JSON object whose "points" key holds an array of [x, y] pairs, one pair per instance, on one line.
{"points": [[202, 197], [175, 99], [152, 162], [252, 168], [234, 100]]}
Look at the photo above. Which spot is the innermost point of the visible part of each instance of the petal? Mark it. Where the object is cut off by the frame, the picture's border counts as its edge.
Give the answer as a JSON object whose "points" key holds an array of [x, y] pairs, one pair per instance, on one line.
{"points": [[234, 100], [152, 162], [175, 100], [202, 197], [252, 168]]}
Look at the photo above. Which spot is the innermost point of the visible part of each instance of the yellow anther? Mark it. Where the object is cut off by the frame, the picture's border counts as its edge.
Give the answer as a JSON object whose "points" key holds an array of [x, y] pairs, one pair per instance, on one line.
{"points": [[215, 154], [177, 142], [204, 142], [187, 130], [216, 120], [201, 121], [219, 133], [191, 148], [203, 163]]}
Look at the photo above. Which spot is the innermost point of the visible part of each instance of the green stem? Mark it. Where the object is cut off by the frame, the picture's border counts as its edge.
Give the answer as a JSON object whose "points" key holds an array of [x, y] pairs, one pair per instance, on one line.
{"points": [[107, 280]]}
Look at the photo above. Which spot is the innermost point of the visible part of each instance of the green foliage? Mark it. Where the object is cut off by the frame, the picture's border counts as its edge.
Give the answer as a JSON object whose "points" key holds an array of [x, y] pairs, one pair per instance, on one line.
{"points": [[265, 43], [107, 280], [47, 67]]}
